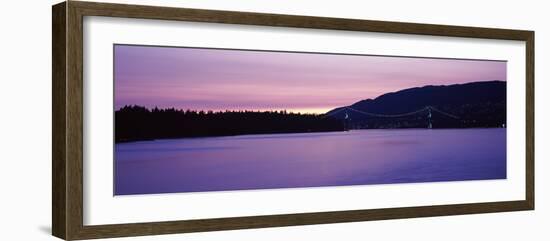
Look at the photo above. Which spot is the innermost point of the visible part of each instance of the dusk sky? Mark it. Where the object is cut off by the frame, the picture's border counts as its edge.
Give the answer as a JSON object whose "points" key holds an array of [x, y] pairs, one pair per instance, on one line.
{"points": [[214, 79]]}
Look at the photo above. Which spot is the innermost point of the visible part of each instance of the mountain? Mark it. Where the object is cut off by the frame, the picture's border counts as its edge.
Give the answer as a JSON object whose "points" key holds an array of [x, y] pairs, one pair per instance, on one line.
{"points": [[475, 104]]}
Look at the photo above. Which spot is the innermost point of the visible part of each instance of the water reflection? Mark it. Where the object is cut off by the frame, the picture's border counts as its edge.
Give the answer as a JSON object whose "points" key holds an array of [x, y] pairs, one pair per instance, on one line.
{"points": [[309, 160]]}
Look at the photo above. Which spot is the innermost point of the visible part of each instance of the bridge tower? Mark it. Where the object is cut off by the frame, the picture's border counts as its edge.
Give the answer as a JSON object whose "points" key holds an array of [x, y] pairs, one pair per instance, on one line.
{"points": [[346, 121], [429, 117]]}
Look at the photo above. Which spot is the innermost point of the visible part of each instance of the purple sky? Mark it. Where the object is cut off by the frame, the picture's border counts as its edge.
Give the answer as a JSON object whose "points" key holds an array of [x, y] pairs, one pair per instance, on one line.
{"points": [[213, 79]]}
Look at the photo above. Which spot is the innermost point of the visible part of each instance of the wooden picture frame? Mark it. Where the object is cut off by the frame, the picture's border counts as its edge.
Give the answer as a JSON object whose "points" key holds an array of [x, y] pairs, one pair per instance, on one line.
{"points": [[67, 159]]}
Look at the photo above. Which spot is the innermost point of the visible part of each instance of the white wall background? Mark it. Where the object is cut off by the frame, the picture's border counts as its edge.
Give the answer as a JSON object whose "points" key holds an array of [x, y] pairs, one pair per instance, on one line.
{"points": [[25, 120]]}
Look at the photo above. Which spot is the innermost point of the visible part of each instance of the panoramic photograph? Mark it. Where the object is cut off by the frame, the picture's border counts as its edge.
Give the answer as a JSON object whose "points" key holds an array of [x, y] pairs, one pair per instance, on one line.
{"points": [[204, 119]]}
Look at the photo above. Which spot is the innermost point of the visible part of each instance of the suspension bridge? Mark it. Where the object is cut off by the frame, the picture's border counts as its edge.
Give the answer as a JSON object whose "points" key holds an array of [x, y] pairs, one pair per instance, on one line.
{"points": [[427, 109]]}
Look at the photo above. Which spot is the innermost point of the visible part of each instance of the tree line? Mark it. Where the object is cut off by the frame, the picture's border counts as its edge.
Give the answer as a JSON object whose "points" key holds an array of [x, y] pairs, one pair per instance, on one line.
{"points": [[133, 123]]}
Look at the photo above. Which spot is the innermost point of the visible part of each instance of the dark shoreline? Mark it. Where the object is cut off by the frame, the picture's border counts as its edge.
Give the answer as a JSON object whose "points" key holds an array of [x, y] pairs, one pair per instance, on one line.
{"points": [[139, 123], [244, 134], [206, 136]]}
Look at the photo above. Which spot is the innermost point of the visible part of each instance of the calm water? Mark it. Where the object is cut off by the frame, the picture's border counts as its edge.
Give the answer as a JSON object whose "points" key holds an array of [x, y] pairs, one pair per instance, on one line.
{"points": [[309, 160]]}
